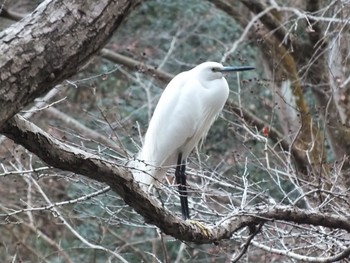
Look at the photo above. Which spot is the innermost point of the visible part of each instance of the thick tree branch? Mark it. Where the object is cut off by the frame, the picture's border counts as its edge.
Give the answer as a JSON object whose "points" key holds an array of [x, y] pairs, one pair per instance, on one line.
{"points": [[51, 44], [62, 156]]}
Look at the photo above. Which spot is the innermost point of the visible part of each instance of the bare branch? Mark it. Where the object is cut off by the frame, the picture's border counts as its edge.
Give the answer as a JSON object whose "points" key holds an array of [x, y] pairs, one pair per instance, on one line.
{"points": [[136, 65], [83, 130], [246, 244], [342, 255], [69, 158]]}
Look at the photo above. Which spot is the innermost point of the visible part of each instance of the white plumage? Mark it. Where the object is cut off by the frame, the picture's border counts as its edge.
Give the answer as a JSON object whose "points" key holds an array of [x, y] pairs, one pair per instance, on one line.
{"points": [[182, 118]]}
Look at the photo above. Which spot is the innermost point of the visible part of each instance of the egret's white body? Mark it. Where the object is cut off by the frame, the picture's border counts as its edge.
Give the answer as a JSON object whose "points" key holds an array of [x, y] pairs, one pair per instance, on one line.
{"points": [[182, 118], [185, 111]]}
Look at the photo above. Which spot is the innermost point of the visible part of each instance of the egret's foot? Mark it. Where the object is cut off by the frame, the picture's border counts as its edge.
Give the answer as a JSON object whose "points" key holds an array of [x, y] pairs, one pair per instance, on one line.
{"points": [[201, 227]]}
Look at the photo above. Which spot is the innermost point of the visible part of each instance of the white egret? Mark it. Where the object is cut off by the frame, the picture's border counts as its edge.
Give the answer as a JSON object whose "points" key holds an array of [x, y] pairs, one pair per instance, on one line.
{"points": [[182, 118]]}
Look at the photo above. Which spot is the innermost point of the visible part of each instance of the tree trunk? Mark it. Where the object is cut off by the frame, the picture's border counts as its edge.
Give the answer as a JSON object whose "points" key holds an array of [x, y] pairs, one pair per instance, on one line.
{"points": [[51, 44]]}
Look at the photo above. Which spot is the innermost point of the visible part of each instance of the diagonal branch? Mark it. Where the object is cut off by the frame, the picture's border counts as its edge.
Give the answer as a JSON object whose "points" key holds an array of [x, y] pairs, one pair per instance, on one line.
{"points": [[68, 158], [247, 243], [136, 65], [62, 156]]}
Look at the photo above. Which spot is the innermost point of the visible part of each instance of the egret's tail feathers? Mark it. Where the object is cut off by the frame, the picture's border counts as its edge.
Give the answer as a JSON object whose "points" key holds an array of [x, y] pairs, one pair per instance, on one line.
{"points": [[142, 172]]}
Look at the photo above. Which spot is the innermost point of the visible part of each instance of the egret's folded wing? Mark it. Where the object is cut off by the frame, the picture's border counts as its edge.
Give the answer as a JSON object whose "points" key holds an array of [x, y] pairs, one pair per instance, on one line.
{"points": [[174, 122]]}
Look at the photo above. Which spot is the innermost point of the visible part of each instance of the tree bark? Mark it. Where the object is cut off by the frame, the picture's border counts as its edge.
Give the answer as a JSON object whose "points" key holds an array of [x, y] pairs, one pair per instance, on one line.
{"points": [[51, 44]]}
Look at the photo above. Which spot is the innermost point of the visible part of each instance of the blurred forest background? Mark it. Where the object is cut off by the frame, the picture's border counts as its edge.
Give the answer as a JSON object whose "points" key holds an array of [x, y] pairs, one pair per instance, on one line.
{"points": [[282, 138]]}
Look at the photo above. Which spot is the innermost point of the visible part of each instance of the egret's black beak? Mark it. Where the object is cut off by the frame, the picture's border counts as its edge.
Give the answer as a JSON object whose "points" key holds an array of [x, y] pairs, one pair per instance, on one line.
{"points": [[243, 68]]}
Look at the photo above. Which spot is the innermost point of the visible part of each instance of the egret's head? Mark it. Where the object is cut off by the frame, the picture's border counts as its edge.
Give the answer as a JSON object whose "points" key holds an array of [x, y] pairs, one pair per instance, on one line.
{"points": [[213, 70]]}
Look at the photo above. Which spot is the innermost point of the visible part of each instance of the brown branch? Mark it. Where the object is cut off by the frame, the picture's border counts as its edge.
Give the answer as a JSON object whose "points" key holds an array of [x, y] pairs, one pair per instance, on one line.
{"points": [[136, 65], [68, 158]]}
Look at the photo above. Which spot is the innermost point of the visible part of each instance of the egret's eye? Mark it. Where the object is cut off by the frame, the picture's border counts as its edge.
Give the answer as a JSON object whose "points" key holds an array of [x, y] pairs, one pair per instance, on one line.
{"points": [[213, 69]]}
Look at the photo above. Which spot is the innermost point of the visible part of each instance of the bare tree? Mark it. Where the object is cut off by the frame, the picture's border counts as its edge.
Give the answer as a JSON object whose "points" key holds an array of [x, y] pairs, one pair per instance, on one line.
{"points": [[301, 214]]}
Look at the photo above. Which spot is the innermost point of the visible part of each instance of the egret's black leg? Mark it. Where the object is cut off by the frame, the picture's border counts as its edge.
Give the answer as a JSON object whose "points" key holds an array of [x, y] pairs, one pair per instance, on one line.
{"points": [[181, 181], [185, 193]]}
